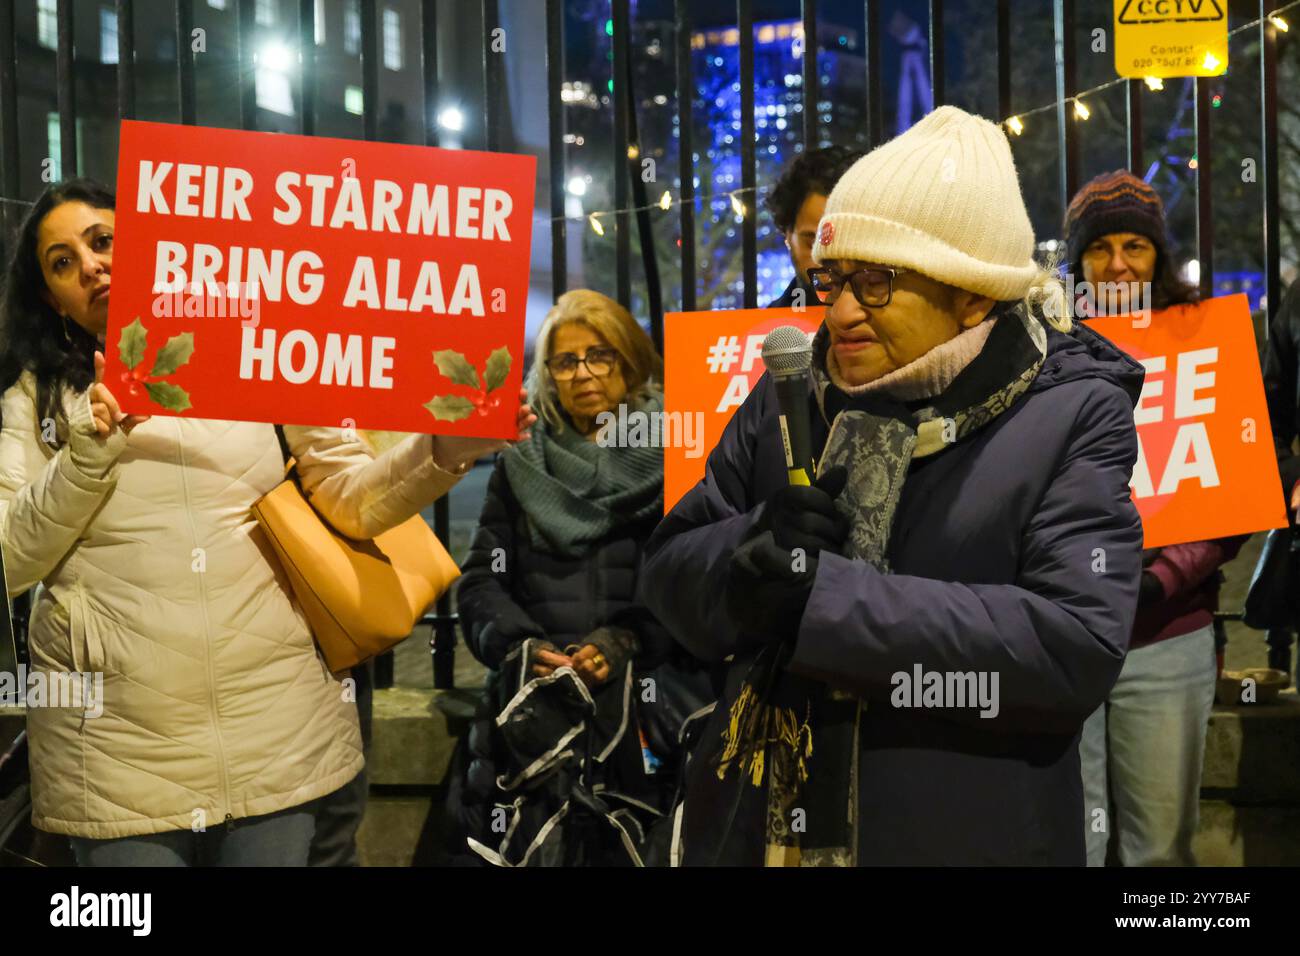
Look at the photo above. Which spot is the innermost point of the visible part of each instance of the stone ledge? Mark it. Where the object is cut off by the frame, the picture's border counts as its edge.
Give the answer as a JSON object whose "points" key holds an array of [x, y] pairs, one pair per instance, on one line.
{"points": [[414, 734], [1231, 835], [392, 830], [1252, 752]]}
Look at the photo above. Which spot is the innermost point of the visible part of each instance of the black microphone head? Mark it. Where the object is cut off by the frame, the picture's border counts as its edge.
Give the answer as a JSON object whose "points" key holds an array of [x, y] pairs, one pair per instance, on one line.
{"points": [[787, 351]]}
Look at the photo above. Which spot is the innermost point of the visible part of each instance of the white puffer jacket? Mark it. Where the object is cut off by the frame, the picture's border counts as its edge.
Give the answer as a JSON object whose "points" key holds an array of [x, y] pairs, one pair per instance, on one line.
{"points": [[216, 705]]}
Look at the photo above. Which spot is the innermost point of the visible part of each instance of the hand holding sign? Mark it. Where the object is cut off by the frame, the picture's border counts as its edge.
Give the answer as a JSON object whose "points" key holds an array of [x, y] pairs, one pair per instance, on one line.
{"points": [[451, 452], [103, 406]]}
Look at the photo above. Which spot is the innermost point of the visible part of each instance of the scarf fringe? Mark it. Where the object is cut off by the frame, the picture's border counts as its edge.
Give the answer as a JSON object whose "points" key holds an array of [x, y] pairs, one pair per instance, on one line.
{"points": [[753, 726]]}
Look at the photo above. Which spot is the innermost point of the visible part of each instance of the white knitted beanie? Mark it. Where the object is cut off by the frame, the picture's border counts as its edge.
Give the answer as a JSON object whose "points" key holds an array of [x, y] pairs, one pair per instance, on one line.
{"points": [[942, 198]]}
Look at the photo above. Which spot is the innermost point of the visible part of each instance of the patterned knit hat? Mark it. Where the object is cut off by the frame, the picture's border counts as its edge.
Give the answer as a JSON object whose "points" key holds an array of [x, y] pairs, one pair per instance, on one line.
{"points": [[942, 198], [1113, 202]]}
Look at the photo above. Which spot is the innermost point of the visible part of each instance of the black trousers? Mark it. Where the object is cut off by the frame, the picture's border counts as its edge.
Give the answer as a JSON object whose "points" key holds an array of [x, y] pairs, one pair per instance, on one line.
{"points": [[338, 814]]}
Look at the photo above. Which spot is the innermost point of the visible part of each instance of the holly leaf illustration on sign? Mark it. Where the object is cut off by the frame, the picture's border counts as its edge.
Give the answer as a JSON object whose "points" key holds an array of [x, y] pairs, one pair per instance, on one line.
{"points": [[453, 408], [456, 367], [450, 408], [173, 355], [497, 368], [169, 396], [131, 344]]}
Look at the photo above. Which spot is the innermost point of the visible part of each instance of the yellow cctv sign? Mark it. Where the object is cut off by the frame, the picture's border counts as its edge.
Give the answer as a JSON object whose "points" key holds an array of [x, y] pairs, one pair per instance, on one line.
{"points": [[1171, 38]]}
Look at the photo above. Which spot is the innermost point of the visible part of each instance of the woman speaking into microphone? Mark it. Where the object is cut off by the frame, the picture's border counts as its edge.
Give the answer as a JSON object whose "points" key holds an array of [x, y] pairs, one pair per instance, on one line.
{"points": [[916, 639]]}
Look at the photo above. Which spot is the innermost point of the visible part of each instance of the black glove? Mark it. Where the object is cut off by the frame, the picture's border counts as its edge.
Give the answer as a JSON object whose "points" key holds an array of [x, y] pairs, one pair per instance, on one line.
{"points": [[805, 517], [1150, 591], [766, 595], [768, 584]]}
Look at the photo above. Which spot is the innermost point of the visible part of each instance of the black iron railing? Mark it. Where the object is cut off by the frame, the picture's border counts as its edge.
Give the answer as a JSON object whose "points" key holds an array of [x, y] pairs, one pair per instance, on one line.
{"points": [[629, 191]]}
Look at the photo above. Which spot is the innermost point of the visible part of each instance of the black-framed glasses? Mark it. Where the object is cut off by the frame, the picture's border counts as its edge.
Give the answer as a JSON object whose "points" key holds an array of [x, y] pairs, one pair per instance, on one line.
{"points": [[873, 286], [599, 361]]}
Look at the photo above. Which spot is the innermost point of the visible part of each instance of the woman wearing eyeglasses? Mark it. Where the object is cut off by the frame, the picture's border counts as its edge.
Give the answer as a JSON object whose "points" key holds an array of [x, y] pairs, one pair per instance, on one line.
{"points": [[913, 643], [547, 601]]}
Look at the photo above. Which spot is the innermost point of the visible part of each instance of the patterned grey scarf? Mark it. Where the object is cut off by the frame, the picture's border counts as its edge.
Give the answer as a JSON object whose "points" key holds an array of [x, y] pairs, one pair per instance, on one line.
{"points": [[877, 439]]}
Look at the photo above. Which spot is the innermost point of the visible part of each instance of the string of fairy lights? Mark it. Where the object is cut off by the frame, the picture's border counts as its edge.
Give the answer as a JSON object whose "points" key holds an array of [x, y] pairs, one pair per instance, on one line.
{"points": [[1014, 124]]}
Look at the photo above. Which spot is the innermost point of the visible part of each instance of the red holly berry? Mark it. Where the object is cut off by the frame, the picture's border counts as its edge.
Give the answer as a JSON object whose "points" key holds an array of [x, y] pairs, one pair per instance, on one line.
{"points": [[494, 402], [138, 373], [134, 389], [126, 378]]}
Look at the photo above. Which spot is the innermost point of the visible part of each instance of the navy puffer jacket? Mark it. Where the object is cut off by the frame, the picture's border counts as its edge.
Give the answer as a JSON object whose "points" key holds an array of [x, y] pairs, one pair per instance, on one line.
{"points": [[1017, 550], [526, 591]]}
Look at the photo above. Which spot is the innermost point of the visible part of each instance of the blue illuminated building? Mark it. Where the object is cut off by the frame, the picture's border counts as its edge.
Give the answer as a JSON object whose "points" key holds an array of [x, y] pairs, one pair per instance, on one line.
{"points": [[778, 121]]}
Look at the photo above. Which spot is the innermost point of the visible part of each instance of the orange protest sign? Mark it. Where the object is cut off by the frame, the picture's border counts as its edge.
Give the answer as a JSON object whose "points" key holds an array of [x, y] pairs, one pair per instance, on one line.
{"points": [[711, 361], [1206, 467]]}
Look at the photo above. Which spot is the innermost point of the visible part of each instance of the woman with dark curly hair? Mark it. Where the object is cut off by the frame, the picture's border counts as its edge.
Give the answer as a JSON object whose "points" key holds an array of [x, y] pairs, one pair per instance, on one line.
{"points": [[218, 725]]}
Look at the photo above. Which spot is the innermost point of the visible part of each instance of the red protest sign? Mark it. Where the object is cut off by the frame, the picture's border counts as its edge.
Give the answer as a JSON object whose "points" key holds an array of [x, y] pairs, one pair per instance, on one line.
{"points": [[303, 280], [1206, 466], [711, 362]]}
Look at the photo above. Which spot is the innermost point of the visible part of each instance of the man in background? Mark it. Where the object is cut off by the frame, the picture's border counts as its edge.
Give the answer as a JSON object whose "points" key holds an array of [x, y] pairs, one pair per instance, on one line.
{"points": [[797, 202]]}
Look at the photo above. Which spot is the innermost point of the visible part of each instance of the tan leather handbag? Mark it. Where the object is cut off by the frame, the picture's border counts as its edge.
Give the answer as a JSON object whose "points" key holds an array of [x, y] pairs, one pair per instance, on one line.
{"points": [[360, 597]]}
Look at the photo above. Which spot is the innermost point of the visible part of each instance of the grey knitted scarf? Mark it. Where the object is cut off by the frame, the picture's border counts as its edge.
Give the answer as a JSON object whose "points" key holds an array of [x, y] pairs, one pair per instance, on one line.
{"points": [[576, 492]]}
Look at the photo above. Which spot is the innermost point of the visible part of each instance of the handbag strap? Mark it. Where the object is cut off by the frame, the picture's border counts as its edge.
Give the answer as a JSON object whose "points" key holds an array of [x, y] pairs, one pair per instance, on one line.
{"points": [[284, 443], [291, 464]]}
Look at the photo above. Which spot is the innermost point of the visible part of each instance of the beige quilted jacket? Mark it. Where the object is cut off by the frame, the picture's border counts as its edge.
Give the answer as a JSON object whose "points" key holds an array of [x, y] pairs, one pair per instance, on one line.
{"points": [[215, 703]]}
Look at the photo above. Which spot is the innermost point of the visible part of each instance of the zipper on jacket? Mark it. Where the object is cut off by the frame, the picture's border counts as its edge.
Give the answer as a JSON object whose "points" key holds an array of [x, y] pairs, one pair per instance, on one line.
{"points": [[207, 632], [592, 589], [230, 823]]}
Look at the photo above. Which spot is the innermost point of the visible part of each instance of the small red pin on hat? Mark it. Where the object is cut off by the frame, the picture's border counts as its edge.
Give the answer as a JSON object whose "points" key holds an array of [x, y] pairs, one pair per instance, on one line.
{"points": [[828, 233]]}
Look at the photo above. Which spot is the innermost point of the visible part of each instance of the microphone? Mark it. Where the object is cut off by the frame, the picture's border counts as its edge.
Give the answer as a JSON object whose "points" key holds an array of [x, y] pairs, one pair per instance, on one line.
{"points": [[787, 355]]}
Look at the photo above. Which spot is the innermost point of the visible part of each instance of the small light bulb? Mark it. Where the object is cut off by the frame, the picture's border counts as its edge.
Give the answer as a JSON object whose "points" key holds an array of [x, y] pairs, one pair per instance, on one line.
{"points": [[737, 206], [1015, 125], [1211, 62], [1279, 23], [596, 227], [1080, 110], [1154, 83], [666, 200]]}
